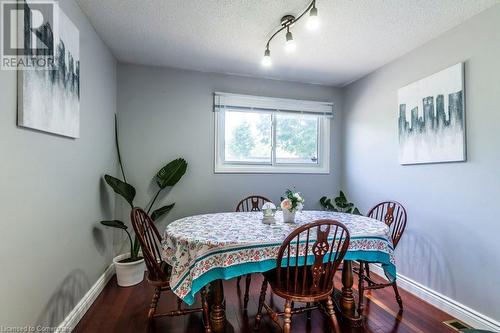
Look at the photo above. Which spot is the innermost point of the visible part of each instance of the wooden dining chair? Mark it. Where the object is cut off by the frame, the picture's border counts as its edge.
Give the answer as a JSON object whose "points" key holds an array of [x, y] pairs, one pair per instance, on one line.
{"points": [[394, 215], [251, 203], [158, 274], [296, 280]]}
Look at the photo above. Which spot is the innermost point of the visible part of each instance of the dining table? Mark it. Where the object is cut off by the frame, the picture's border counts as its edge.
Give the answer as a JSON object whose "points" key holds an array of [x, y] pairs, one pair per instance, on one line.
{"points": [[209, 248]]}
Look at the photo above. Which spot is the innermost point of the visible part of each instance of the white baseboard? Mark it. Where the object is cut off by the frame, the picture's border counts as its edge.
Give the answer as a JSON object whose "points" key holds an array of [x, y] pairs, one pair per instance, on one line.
{"points": [[444, 303], [72, 319]]}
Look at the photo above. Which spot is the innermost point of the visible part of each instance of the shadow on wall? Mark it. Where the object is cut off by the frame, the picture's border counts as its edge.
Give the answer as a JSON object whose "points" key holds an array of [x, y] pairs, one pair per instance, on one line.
{"points": [[105, 198], [100, 237], [421, 260], [99, 240], [64, 299]]}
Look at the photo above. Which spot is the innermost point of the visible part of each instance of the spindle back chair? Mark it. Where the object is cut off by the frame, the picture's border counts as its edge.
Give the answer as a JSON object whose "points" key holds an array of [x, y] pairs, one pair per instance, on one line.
{"points": [[393, 214], [150, 240], [158, 270], [306, 265], [252, 203], [326, 241]]}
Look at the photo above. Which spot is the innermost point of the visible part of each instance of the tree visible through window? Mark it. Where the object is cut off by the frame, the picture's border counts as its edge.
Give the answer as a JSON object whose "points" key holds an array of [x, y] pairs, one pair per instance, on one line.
{"points": [[249, 137], [242, 142], [296, 139]]}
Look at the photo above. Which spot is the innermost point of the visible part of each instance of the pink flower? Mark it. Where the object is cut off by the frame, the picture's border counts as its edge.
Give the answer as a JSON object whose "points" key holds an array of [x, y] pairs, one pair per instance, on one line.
{"points": [[286, 204]]}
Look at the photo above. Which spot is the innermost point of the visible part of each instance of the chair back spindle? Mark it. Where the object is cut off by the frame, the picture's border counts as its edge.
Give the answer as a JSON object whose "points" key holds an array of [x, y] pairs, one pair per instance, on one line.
{"points": [[324, 240], [394, 215], [252, 203], [150, 240]]}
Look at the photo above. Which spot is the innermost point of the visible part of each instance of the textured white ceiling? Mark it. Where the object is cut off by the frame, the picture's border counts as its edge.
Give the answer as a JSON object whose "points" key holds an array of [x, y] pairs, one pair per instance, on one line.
{"points": [[228, 36]]}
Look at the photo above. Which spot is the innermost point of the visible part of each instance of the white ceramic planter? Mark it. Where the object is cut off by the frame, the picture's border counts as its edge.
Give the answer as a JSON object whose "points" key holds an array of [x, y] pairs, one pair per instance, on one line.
{"points": [[288, 216], [129, 273]]}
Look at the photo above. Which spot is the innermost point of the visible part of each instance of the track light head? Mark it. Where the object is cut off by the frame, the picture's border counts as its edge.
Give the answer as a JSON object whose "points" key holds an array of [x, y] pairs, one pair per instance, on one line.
{"points": [[290, 45], [266, 61], [313, 20]]}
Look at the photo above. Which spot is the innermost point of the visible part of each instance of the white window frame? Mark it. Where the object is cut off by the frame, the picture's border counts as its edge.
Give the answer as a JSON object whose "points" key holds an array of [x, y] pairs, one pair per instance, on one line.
{"points": [[273, 106]]}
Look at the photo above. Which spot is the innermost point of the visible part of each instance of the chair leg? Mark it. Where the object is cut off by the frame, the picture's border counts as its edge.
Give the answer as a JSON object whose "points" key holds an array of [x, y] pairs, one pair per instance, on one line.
{"points": [[262, 299], [332, 316], [179, 304], [367, 269], [361, 287], [247, 290], [308, 304], [288, 317], [396, 292], [154, 303], [206, 315], [238, 281]]}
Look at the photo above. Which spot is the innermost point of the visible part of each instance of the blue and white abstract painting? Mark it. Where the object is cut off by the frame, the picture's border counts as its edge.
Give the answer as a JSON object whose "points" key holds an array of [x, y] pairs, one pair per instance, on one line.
{"points": [[49, 98], [432, 118]]}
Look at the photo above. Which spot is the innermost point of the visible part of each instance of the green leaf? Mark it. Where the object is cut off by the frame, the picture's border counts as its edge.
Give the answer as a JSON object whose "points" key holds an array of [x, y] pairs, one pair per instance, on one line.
{"points": [[127, 191], [341, 201], [136, 247], [171, 173], [161, 211], [342, 205], [117, 144], [327, 204], [114, 224]]}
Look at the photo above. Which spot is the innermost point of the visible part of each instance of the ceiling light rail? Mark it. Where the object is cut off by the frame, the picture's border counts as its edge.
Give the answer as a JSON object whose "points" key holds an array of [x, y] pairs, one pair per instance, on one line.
{"points": [[287, 22]]}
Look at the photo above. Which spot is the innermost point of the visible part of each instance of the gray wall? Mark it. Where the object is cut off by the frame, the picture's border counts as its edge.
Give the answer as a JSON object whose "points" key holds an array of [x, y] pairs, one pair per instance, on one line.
{"points": [[167, 113], [451, 244], [51, 196]]}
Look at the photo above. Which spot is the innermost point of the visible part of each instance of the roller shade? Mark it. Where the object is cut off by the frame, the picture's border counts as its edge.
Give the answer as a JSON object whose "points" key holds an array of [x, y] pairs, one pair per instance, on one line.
{"points": [[228, 101]]}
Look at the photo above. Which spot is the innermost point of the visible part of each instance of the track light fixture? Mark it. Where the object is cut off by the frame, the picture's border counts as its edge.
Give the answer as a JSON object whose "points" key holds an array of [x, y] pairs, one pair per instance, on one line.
{"points": [[286, 22]]}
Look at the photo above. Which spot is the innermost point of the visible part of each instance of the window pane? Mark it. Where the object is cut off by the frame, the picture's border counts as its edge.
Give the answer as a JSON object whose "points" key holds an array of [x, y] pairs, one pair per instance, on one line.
{"points": [[296, 139], [247, 137]]}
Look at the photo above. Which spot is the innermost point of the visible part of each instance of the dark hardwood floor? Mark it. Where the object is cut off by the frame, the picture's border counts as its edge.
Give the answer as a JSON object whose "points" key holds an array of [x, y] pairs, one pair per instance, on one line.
{"points": [[125, 310]]}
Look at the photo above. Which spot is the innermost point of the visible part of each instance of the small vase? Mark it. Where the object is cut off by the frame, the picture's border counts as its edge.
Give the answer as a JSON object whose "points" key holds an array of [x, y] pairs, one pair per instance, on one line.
{"points": [[288, 216]]}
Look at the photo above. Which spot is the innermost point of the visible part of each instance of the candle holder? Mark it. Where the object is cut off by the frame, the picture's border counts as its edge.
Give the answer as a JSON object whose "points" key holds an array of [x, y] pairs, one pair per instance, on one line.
{"points": [[268, 213]]}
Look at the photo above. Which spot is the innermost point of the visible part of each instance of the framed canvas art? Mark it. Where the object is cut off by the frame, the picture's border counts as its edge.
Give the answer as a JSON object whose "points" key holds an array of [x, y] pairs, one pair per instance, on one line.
{"points": [[49, 96], [432, 118]]}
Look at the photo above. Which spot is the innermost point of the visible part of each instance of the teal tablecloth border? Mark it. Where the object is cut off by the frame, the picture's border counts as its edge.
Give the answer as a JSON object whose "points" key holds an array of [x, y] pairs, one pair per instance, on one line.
{"points": [[227, 273]]}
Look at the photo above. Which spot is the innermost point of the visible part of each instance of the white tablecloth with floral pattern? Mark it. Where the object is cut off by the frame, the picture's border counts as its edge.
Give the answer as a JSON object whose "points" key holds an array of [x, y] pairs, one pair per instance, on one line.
{"points": [[204, 248]]}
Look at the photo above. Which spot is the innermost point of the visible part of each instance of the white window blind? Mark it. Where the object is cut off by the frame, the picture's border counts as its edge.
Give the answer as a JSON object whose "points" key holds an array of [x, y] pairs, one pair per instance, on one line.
{"points": [[228, 101]]}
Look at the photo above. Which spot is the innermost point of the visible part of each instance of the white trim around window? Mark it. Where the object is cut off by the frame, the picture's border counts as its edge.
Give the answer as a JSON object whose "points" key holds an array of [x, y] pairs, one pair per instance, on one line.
{"points": [[320, 111]]}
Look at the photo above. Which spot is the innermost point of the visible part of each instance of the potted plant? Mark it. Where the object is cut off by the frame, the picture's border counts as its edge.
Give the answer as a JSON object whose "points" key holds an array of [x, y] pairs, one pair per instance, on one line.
{"points": [[340, 204], [130, 266], [290, 204]]}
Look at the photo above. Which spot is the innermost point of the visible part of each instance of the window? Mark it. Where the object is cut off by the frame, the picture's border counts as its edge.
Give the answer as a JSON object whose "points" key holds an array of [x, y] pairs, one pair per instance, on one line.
{"points": [[271, 135]]}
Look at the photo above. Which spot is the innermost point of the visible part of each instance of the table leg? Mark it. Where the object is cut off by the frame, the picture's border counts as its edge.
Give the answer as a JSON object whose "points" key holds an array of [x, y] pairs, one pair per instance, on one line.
{"points": [[345, 303], [218, 320]]}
